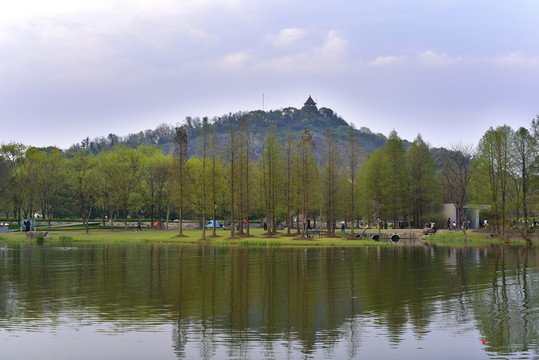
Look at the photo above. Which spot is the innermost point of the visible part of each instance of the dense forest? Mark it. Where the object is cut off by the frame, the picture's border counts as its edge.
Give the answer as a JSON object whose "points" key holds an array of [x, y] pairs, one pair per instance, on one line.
{"points": [[287, 166], [295, 120]]}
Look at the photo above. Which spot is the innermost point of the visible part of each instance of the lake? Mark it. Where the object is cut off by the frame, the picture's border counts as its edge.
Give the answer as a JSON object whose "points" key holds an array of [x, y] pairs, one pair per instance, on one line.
{"points": [[163, 301]]}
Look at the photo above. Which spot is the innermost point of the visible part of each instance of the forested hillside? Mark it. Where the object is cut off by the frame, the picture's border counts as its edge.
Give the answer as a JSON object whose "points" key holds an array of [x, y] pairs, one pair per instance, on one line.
{"points": [[296, 120], [279, 165]]}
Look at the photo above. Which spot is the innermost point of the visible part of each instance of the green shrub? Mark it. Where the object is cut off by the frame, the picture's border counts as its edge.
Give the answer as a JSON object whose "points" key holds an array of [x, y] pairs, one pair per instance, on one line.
{"points": [[40, 239]]}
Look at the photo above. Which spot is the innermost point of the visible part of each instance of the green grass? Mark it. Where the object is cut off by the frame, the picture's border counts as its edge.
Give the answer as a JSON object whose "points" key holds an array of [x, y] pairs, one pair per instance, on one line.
{"points": [[456, 238], [257, 239]]}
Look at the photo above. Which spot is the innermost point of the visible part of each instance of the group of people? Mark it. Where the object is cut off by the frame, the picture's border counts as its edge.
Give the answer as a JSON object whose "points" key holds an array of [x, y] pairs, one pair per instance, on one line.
{"points": [[465, 224], [238, 226]]}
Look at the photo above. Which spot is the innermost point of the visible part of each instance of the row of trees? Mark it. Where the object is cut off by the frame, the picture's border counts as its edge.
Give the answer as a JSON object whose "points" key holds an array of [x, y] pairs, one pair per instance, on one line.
{"points": [[505, 174], [287, 184]]}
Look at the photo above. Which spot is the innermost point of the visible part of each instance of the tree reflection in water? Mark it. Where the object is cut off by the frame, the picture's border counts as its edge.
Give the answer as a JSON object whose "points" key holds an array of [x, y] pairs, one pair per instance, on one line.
{"points": [[274, 303]]}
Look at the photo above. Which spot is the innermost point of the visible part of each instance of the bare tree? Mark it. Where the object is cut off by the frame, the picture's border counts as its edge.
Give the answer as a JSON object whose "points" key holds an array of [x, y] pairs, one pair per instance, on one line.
{"points": [[306, 162], [329, 177], [181, 153], [214, 151], [352, 155], [231, 152], [270, 159], [455, 174], [525, 154], [288, 186], [205, 134]]}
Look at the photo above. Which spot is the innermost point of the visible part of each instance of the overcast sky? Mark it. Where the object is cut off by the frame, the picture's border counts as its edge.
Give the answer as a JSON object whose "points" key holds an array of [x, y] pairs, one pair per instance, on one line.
{"points": [[448, 69]]}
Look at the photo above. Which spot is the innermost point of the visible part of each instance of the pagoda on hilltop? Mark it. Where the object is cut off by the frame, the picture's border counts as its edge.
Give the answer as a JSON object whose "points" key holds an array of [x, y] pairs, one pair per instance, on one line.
{"points": [[310, 102]]}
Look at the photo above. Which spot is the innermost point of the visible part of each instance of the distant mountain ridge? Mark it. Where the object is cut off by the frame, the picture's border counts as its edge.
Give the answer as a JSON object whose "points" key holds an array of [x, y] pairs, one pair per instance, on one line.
{"points": [[316, 120]]}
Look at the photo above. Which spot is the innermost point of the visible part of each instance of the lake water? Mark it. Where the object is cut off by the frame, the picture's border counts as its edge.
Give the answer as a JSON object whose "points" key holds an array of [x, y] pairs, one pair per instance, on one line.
{"points": [[155, 301]]}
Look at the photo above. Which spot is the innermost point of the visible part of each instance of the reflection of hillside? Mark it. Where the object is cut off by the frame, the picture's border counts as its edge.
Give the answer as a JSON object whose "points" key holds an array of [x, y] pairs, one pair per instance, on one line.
{"points": [[305, 298]]}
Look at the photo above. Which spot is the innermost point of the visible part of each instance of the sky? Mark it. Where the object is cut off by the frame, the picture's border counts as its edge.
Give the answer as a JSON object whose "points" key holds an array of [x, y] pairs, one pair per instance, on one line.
{"points": [[445, 69]]}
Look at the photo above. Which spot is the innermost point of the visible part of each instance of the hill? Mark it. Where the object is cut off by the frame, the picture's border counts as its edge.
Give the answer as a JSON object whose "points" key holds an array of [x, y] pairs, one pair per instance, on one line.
{"points": [[316, 120]]}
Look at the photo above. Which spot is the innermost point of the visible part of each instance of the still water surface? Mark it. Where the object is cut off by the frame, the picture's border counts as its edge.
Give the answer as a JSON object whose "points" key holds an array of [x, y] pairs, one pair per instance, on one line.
{"points": [[159, 301]]}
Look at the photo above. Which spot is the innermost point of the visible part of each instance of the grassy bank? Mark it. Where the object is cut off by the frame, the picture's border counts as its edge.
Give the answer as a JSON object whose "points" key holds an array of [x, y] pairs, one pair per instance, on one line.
{"points": [[457, 238], [258, 238]]}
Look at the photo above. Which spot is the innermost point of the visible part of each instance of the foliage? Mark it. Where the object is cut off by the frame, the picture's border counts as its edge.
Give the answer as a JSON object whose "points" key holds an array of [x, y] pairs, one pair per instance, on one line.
{"points": [[279, 165]]}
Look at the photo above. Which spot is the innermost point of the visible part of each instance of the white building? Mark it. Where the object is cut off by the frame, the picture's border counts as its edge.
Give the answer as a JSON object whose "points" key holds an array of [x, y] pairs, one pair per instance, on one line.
{"points": [[471, 213]]}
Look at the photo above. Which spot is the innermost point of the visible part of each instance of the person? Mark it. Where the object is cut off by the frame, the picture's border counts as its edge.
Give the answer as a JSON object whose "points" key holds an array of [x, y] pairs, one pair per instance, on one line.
{"points": [[138, 225], [342, 226], [245, 224], [309, 223], [27, 224], [265, 224], [449, 223]]}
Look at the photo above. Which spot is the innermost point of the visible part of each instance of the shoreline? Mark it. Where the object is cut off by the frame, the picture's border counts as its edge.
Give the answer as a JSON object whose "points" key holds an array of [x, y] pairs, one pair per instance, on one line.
{"points": [[259, 238]]}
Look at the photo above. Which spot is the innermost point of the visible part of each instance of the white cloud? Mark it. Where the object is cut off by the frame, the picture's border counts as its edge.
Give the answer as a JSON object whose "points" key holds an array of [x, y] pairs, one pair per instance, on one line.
{"points": [[432, 58], [236, 60], [517, 59], [324, 58], [286, 36], [334, 46], [387, 60], [22, 11]]}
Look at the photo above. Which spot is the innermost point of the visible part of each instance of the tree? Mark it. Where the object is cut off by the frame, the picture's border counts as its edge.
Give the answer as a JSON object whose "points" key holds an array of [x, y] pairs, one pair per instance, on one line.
{"points": [[330, 177], [352, 161], [128, 164], [13, 157], [205, 136], [244, 162], [231, 151], [162, 173], [52, 178], [120, 171], [454, 176], [372, 197], [28, 176], [214, 156], [106, 184], [181, 154], [524, 149], [288, 184], [306, 167], [151, 177], [81, 183], [423, 190], [395, 176], [270, 171], [492, 168]]}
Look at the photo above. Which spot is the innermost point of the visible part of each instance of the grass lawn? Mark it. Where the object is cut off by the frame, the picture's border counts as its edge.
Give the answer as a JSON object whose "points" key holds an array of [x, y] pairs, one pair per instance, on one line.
{"points": [[258, 238], [456, 238]]}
